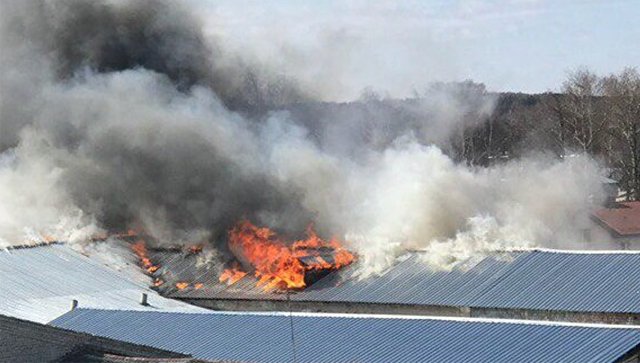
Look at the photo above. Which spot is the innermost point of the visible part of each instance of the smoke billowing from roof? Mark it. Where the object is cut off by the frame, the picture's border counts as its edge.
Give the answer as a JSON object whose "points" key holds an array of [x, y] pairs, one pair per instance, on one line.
{"points": [[118, 113]]}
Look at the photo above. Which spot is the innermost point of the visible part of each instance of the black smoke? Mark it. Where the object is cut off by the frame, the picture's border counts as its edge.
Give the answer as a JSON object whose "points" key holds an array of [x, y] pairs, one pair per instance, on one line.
{"points": [[123, 161], [157, 35]]}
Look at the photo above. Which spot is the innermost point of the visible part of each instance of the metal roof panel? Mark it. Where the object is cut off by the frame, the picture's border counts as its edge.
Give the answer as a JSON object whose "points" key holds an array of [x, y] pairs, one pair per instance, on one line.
{"points": [[341, 338], [39, 283]]}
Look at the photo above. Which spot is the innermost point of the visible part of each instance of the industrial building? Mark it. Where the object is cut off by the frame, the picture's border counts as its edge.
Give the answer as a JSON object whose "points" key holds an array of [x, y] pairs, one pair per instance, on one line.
{"points": [[487, 309], [301, 337], [577, 286]]}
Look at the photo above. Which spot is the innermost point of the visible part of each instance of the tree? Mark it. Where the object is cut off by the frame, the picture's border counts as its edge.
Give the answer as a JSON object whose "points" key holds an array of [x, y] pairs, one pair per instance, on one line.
{"points": [[580, 122], [623, 106], [470, 107]]}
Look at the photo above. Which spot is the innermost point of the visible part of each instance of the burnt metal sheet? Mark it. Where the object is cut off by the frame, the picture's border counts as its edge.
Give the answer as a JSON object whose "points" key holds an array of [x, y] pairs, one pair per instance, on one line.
{"points": [[267, 337]]}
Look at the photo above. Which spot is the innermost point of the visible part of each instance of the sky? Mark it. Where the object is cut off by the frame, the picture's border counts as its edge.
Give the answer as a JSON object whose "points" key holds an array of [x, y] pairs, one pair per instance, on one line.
{"points": [[397, 46]]}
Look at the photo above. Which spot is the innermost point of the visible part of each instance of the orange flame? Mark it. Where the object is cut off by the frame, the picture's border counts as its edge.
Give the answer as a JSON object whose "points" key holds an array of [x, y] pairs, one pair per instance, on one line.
{"points": [[232, 274], [181, 285], [141, 250], [157, 282], [276, 264], [193, 249], [103, 235]]}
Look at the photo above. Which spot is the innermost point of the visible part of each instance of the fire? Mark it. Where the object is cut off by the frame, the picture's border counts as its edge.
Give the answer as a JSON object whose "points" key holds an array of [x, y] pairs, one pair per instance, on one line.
{"points": [[181, 285], [157, 282], [278, 264], [193, 249], [232, 274], [141, 250], [129, 232]]}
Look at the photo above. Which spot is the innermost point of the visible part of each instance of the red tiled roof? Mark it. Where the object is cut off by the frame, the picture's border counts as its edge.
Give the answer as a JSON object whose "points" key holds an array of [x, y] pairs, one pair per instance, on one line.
{"points": [[624, 219]]}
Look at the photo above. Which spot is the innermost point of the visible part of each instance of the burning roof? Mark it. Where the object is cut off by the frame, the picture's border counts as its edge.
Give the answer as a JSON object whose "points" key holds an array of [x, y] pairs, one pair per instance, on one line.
{"points": [[260, 256], [279, 264], [537, 279]]}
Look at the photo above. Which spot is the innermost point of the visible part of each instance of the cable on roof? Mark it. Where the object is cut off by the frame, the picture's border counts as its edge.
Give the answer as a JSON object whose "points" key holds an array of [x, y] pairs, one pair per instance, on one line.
{"points": [[293, 338]]}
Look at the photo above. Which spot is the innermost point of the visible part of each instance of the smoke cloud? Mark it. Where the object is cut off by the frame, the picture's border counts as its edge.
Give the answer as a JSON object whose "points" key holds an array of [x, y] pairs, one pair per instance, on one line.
{"points": [[118, 113]]}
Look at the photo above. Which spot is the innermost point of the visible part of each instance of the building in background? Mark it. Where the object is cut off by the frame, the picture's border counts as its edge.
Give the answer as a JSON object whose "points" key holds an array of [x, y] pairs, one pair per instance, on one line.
{"points": [[618, 223]]}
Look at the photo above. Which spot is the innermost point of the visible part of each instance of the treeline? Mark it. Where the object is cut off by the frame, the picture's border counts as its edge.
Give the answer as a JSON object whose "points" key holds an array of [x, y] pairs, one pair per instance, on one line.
{"points": [[598, 115]]}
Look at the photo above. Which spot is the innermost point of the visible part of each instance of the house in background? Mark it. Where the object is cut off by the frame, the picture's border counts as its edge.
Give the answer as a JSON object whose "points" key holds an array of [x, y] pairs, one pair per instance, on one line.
{"points": [[611, 190], [618, 223]]}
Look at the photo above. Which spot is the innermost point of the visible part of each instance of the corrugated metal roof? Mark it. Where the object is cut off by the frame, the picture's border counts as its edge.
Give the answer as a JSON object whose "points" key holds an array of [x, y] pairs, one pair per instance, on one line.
{"points": [[39, 283], [24, 341], [342, 338], [539, 280]]}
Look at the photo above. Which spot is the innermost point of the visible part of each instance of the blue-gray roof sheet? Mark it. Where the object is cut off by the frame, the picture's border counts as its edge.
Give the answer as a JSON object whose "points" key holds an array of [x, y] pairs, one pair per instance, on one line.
{"points": [[336, 338], [39, 283], [538, 280]]}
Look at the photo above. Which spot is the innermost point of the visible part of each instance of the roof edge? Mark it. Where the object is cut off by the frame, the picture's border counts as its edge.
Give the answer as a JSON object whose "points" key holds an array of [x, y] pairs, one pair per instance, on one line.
{"points": [[370, 316], [33, 245]]}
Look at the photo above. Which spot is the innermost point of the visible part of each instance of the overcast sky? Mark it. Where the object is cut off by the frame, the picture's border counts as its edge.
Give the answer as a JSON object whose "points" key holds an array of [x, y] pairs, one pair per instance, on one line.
{"points": [[342, 46]]}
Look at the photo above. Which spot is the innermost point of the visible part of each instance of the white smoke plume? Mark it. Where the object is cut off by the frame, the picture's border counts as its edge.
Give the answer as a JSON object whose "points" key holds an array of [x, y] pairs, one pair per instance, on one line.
{"points": [[124, 114]]}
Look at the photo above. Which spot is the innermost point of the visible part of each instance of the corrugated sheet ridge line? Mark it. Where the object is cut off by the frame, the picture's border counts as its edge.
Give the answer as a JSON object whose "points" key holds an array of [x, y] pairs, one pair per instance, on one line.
{"points": [[330, 338]]}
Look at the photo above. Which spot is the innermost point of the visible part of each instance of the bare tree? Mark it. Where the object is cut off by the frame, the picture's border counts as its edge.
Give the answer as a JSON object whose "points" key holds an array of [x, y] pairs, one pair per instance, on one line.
{"points": [[579, 120], [623, 106], [473, 103]]}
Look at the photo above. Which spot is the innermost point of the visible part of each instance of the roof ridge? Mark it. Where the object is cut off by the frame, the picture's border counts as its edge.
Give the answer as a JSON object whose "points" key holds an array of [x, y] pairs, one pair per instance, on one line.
{"points": [[541, 249], [287, 314], [33, 245]]}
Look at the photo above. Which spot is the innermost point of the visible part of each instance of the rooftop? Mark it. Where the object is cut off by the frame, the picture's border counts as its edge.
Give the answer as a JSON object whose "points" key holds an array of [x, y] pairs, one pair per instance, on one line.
{"points": [[623, 219], [39, 283], [282, 337], [24, 341], [580, 281]]}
